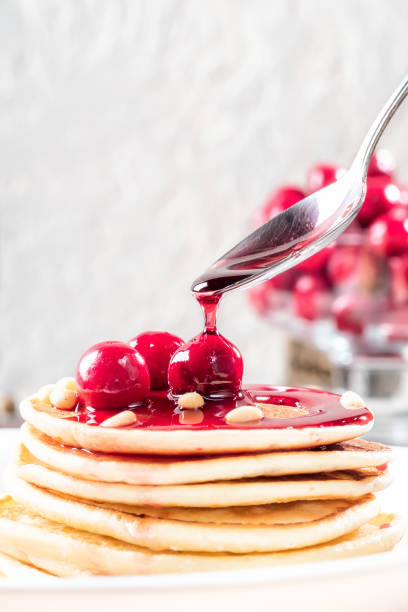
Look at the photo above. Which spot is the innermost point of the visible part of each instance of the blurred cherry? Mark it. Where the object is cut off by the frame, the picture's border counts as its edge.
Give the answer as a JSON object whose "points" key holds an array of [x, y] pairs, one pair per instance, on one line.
{"points": [[348, 314], [258, 298], [278, 201], [284, 281], [388, 235], [382, 164], [311, 297], [381, 196], [321, 175], [404, 194], [317, 262], [343, 263], [272, 294]]}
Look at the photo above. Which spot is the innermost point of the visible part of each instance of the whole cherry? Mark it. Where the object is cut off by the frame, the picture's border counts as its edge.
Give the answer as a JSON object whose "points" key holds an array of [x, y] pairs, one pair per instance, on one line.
{"points": [[208, 364], [156, 348], [311, 297], [278, 201], [382, 195], [382, 163], [112, 375], [388, 235], [321, 175]]}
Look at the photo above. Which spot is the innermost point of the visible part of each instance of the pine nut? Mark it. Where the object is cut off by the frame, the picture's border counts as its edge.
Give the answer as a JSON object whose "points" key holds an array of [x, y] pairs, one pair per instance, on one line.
{"points": [[351, 400], [43, 394], [244, 414], [67, 383], [191, 400], [63, 399], [127, 417]]}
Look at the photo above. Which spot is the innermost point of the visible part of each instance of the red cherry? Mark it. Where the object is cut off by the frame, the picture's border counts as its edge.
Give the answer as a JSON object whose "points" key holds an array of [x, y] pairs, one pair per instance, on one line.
{"points": [[278, 201], [311, 297], [321, 175], [388, 235], [382, 163], [343, 264], [156, 349], [348, 314], [208, 364], [112, 375], [381, 196], [316, 262]]}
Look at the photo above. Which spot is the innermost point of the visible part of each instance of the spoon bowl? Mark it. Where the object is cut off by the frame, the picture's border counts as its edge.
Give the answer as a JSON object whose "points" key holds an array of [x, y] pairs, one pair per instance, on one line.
{"points": [[303, 229]]}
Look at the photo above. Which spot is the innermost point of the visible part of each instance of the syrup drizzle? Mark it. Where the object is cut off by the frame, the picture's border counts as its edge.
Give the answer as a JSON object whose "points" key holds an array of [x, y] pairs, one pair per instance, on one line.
{"points": [[209, 306], [160, 411]]}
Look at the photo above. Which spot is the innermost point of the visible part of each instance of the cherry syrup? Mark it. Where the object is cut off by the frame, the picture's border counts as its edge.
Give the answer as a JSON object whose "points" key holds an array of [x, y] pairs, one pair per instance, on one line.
{"points": [[315, 408], [211, 365], [209, 306]]}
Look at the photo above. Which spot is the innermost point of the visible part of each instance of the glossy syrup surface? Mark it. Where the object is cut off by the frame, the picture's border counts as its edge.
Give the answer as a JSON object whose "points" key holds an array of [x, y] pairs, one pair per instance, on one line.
{"points": [[317, 409], [202, 366]]}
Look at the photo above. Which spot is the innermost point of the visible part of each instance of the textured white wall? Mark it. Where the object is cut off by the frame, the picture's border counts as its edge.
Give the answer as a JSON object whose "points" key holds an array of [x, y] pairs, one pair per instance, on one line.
{"points": [[136, 139]]}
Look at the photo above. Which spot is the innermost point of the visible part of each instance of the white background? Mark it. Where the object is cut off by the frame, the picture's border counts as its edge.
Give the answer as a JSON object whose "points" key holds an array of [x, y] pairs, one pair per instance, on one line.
{"points": [[137, 137]]}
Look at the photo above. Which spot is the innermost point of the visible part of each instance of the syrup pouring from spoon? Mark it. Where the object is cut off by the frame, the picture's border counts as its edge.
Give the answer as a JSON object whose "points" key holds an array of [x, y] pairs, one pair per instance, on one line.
{"points": [[303, 229]]}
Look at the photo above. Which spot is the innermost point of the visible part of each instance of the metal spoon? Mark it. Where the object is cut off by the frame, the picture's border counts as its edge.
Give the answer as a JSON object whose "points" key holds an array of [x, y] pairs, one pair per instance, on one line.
{"points": [[303, 229]]}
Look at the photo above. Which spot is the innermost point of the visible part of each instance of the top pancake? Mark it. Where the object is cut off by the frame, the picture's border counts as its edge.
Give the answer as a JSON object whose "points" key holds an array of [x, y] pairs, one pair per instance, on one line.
{"points": [[167, 470], [65, 428]]}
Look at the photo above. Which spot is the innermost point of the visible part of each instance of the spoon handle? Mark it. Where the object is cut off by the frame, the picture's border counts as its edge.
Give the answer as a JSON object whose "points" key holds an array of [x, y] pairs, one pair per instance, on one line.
{"points": [[383, 118]]}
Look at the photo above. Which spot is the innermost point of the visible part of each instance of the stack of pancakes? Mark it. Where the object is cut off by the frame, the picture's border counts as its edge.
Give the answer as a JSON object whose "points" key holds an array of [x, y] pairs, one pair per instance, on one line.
{"points": [[77, 510]]}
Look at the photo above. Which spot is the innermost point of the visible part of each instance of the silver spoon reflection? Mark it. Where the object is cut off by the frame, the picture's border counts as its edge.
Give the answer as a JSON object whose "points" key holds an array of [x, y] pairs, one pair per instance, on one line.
{"points": [[303, 229]]}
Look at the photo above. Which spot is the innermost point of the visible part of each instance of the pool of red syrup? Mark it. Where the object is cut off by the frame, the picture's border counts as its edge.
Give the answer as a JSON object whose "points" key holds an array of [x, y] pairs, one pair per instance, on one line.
{"points": [[160, 411]]}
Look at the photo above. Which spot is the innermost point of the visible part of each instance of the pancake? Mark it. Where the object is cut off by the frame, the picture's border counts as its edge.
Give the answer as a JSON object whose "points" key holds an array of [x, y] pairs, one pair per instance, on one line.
{"points": [[147, 470], [289, 513], [328, 520], [13, 568], [60, 426], [62, 550], [336, 485]]}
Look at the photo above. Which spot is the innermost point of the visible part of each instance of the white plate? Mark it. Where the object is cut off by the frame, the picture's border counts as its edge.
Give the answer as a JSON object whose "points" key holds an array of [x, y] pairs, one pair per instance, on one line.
{"points": [[373, 583]]}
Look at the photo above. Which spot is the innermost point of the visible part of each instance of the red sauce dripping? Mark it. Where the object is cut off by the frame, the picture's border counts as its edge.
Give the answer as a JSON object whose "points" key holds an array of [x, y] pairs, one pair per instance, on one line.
{"points": [[160, 410]]}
